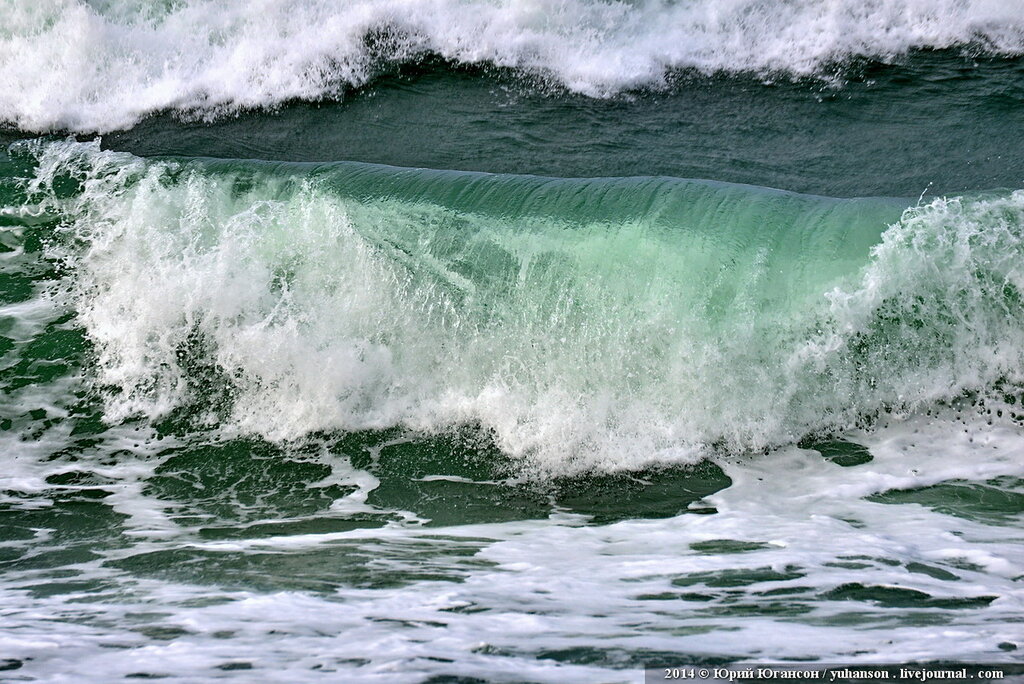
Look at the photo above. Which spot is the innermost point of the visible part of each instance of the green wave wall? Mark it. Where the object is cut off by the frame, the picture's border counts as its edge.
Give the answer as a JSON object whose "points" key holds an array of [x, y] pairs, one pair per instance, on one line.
{"points": [[583, 324]]}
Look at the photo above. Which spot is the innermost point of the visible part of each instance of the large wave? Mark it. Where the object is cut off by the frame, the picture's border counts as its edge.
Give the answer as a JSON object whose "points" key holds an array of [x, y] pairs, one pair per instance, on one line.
{"points": [[105, 64], [601, 323]]}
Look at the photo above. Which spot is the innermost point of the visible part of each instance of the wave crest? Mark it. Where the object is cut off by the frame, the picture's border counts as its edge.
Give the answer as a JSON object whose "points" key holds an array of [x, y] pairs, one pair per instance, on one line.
{"points": [[101, 66], [667, 318]]}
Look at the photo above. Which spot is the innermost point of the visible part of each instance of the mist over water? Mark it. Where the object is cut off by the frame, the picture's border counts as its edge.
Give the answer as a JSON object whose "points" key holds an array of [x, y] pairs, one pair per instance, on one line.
{"points": [[547, 398]]}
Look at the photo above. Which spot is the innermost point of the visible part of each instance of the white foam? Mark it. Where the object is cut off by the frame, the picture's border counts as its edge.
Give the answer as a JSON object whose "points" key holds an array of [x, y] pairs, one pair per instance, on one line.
{"points": [[104, 65], [529, 587]]}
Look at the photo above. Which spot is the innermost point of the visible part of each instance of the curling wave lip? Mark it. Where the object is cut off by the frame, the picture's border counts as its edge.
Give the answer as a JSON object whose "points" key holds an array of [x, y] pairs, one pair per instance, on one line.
{"points": [[592, 324]]}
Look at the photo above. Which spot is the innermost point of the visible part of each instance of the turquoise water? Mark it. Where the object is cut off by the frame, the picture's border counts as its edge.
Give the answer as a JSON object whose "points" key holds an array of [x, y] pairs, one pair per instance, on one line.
{"points": [[518, 342]]}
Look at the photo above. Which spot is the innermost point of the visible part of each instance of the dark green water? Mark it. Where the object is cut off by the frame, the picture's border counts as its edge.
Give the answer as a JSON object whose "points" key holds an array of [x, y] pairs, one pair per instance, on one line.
{"points": [[940, 123]]}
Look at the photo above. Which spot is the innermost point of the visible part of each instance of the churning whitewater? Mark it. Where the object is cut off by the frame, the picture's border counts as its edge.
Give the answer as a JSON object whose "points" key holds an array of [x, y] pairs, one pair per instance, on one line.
{"points": [[606, 323], [105, 65]]}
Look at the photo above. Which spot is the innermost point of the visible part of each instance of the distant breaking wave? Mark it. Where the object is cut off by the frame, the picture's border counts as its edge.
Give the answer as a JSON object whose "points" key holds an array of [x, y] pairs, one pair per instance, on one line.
{"points": [[103, 65]]}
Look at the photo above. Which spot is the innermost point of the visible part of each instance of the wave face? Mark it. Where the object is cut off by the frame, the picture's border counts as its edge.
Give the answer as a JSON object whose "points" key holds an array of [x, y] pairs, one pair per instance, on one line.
{"points": [[586, 324], [103, 65]]}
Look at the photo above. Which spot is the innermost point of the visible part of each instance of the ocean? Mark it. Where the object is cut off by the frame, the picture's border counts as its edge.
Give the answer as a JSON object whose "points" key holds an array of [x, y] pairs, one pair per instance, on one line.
{"points": [[509, 340]]}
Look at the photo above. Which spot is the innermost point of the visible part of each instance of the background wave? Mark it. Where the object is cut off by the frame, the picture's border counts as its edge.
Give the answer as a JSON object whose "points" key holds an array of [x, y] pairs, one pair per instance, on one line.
{"points": [[104, 65], [604, 323]]}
